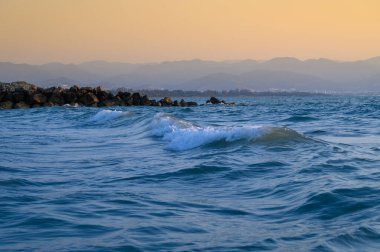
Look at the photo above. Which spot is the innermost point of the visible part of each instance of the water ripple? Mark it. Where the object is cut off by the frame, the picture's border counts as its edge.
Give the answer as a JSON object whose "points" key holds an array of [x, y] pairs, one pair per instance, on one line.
{"points": [[278, 174]]}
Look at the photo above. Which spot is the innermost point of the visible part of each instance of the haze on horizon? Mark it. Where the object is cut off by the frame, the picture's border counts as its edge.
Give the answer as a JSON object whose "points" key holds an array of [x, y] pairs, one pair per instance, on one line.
{"points": [[136, 31]]}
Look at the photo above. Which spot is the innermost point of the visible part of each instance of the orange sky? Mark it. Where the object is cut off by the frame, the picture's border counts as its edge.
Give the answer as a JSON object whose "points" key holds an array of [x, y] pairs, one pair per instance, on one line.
{"points": [[72, 31]]}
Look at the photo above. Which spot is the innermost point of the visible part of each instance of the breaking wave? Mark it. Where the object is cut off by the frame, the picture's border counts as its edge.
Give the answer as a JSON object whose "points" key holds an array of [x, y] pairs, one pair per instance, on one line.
{"points": [[108, 115], [183, 135]]}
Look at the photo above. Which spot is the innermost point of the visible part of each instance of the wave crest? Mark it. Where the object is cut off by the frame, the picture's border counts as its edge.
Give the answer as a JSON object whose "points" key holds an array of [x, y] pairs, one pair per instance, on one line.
{"points": [[108, 115], [184, 135]]}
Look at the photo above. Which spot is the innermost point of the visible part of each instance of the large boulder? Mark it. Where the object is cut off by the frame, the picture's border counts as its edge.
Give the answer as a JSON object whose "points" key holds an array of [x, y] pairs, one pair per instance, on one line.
{"points": [[119, 101], [124, 95], [129, 101], [87, 89], [145, 101], [214, 100], [69, 96], [29, 96], [8, 96], [103, 95], [18, 96], [167, 101], [182, 103], [74, 89], [2, 95], [56, 98], [49, 91], [6, 105], [107, 103], [192, 104], [18, 85], [21, 105], [136, 97], [98, 90], [89, 99], [39, 98]]}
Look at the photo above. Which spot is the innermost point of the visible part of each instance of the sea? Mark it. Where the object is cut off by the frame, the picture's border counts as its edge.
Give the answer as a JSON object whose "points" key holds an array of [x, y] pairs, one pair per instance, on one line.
{"points": [[290, 173]]}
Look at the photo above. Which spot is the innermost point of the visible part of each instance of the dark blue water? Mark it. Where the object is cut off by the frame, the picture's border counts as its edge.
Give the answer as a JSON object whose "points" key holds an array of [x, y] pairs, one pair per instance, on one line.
{"points": [[283, 174]]}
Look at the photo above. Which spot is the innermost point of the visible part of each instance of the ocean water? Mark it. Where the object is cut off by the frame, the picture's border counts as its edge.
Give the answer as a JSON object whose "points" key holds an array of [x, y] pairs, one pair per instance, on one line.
{"points": [[274, 173]]}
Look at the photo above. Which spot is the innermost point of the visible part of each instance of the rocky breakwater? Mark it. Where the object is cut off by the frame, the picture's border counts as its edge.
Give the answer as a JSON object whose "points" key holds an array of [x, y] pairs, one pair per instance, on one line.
{"points": [[25, 95]]}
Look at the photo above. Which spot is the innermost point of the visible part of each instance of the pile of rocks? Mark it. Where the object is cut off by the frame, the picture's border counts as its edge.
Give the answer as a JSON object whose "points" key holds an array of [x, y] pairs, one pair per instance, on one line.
{"points": [[214, 100], [25, 95]]}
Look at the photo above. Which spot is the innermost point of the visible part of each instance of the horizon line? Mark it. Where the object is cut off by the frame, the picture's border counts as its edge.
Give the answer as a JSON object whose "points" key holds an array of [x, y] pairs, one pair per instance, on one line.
{"points": [[193, 60]]}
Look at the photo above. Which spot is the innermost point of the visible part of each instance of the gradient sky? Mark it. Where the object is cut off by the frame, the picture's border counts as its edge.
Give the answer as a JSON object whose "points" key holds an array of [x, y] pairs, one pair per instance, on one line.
{"points": [[73, 31]]}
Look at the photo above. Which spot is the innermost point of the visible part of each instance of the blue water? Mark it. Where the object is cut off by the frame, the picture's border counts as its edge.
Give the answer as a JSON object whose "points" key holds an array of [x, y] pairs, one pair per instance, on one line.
{"points": [[282, 174]]}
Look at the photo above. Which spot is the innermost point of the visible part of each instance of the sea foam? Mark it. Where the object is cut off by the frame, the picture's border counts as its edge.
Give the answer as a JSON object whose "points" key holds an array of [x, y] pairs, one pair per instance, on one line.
{"points": [[184, 135], [108, 115]]}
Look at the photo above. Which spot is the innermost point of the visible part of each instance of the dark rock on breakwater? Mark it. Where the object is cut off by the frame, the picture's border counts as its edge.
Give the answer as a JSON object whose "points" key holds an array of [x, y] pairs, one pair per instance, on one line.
{"points": [[214, 100], [25, 95]]}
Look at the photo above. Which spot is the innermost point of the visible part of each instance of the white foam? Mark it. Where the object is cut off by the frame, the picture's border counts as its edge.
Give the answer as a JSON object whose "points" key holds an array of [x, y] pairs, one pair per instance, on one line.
{"points": [[183, 135], [75, 105], [108, 115]]}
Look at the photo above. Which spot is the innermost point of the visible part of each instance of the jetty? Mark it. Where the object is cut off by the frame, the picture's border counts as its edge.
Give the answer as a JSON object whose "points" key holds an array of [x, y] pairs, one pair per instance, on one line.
{"points": [[17, 95]]}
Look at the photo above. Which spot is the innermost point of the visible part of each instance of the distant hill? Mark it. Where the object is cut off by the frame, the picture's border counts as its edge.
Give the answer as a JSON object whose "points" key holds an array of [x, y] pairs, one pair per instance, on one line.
{"points": [[277, 73]]}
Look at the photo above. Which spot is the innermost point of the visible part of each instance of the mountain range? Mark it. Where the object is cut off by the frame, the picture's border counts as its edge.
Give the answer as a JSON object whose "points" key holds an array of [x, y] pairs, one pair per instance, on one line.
{"points": [[275, 74]]}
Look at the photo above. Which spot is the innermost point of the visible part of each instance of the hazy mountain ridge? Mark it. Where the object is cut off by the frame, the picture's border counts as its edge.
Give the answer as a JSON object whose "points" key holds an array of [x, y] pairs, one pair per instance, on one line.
{"points": [[277, 73]]}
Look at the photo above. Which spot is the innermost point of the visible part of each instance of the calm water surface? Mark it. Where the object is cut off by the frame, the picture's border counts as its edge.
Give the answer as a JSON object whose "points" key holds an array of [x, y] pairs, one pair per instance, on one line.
{"points": [[280, 174]]}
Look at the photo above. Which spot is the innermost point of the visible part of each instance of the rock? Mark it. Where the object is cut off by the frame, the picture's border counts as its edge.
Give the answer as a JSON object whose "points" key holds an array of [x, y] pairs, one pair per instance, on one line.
{"points": [[89, 99], [29, 97], [122, 98], [167, 101], [56, 98], [39, 99], [18, 85], [74, 89], [87, 89], [18, 96], [48, 91], [183, 103], [153, 103], [214, 100], [107, 103], [21, 105], [24, 95], [69, 96], [192, 104], [49, 104], [98, 90], [136, 97], [119, 101], [124, 95], [6, 105], [145, 101], [8, 96], [129, 101], [103, 95]]}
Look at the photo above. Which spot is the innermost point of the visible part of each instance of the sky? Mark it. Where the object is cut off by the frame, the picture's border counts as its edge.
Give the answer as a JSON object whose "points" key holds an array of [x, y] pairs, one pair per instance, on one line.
{"points": [[139, 31]]}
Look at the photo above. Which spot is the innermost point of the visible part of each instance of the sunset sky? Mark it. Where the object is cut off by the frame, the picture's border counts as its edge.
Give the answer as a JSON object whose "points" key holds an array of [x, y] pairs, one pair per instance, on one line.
{"points": [[137, 31]]}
